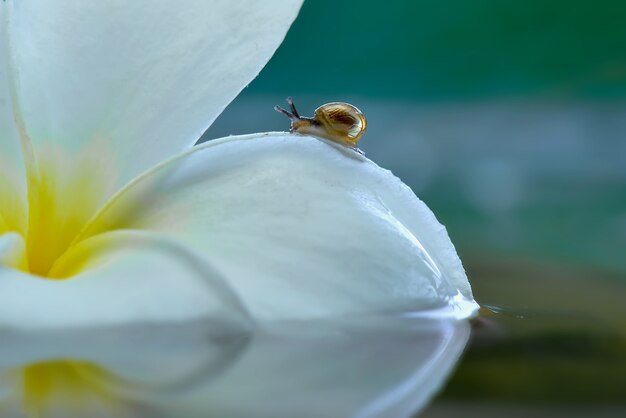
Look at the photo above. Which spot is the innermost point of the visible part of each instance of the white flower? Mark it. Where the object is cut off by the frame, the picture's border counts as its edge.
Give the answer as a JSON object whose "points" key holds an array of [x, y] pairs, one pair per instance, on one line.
{"points": [[95, 95]]}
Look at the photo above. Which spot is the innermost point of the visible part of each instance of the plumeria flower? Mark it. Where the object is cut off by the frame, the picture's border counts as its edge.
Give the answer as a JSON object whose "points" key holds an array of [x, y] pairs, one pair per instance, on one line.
{"points": [[112, 222], [110, 216]]}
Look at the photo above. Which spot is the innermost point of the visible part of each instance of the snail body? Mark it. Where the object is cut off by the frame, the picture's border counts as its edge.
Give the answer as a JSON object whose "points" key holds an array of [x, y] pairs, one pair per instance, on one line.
{"points": [[339, 122]]}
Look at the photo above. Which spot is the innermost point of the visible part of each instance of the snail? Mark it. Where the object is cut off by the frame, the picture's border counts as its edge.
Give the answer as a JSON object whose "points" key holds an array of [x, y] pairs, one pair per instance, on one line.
{"points": [[339, 122]]}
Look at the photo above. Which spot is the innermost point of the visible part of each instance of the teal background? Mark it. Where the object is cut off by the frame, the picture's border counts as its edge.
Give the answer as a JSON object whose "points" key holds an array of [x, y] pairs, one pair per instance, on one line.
{"points": [[454, 49], [507, 118]]}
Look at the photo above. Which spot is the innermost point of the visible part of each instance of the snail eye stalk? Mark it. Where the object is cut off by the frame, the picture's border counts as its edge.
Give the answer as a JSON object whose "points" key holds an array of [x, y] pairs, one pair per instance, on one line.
{"points": [[292, 106]]}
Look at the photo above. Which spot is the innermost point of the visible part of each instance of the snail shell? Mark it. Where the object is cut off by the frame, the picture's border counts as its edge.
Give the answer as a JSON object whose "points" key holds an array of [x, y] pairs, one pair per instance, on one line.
{"points": [[339, 122], [342, 122]]}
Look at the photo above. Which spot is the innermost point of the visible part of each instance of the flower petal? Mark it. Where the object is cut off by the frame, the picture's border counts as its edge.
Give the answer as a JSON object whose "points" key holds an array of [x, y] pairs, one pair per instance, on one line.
{"points": [[137, 81], [9, 143], [299, 227], [12, 250], [134, 277], [12, 183]]}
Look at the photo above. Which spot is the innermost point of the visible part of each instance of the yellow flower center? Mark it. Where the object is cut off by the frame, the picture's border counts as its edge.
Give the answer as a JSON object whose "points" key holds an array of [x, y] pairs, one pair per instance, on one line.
{"points": [[51, 207]]}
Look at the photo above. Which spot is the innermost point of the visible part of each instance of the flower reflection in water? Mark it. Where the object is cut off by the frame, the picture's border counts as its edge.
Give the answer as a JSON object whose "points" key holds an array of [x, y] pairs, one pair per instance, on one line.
{"points": [[365, 367], [75, 384]]}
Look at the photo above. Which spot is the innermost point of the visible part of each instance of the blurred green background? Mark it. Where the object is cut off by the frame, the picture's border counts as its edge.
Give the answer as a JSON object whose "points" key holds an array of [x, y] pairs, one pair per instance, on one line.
{"points": [[508, 118], [454, 49]]}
